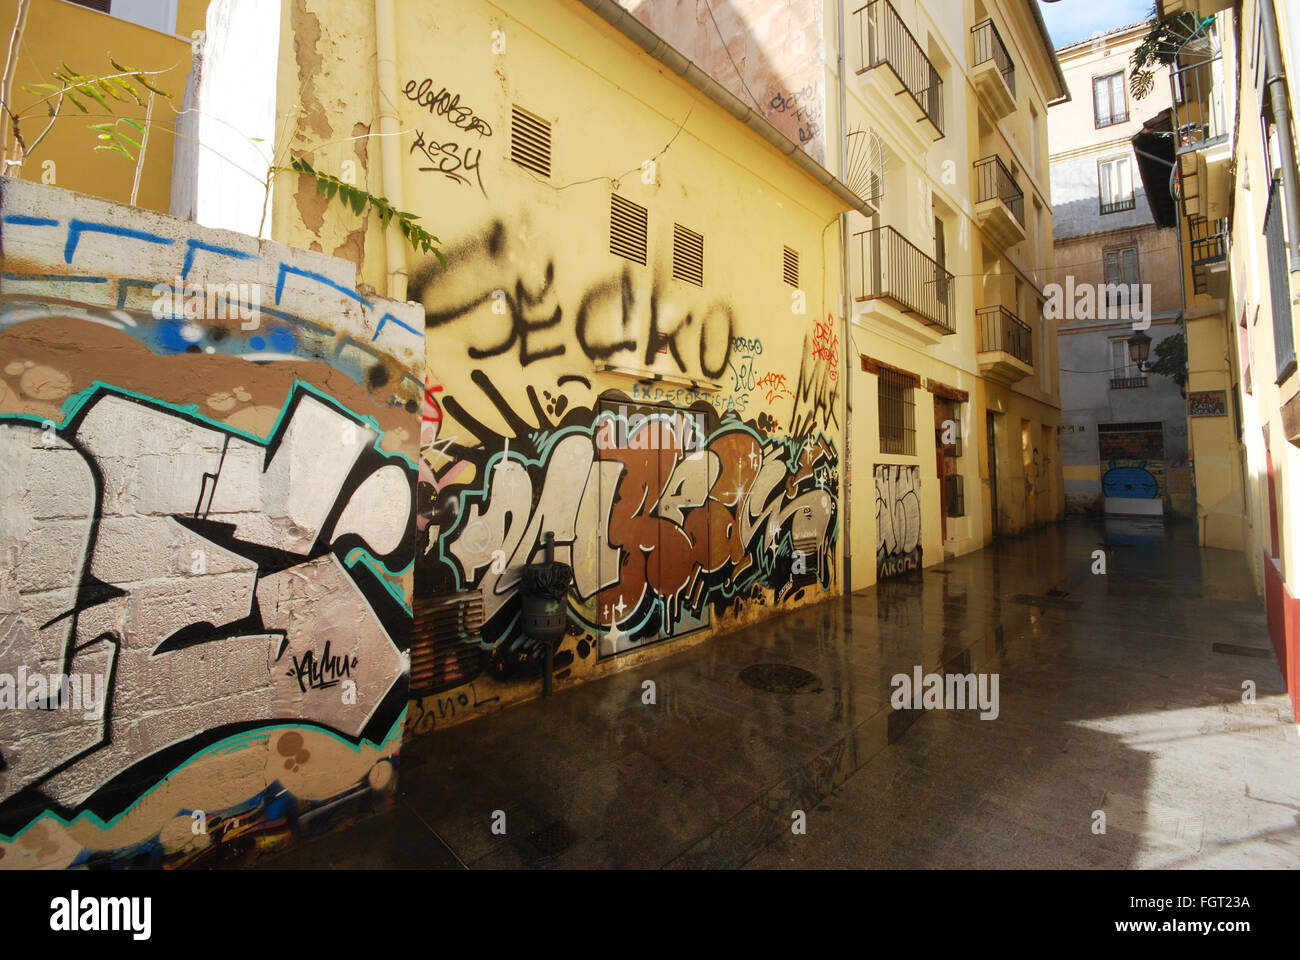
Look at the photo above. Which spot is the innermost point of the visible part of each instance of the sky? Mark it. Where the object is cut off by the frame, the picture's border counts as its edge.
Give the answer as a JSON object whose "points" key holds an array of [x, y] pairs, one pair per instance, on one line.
{"points": [[1071, 20]]}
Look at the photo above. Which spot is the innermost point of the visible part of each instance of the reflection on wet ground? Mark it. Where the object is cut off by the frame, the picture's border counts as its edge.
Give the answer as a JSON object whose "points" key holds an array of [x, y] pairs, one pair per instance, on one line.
{"points": [[1120, 706]]}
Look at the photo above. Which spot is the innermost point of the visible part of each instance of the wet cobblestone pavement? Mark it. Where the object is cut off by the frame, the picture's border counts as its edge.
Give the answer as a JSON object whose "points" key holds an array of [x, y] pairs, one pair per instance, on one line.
{"points": [[1118, 693]]}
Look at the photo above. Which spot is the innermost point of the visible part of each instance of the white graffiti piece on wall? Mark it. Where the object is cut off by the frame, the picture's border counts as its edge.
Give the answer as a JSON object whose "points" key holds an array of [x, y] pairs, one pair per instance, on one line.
{"points": [[898, 519], [213, 579]]}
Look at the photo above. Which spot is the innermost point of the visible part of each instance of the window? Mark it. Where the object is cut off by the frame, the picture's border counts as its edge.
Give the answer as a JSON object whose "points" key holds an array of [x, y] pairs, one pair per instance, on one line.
{"points": [[1115, 178], [1120, 361], [897, 412], [154, 14], [1122, 284], [1278, 282], [1109, 101], [1124, 375]]}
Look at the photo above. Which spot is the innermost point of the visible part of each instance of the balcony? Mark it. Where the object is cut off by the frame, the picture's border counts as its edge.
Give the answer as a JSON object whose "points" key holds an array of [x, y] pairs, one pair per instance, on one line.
{"points": [[1118, 206], [1200, 120], [1006, 345], [893, 62], [902, 285], [999, 202], [1127, 383], [993, 71], [1209, 240]]}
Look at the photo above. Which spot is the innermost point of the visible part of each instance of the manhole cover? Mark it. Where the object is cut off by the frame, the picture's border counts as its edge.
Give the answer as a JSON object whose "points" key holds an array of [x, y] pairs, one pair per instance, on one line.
{"points": [[780, 678]]}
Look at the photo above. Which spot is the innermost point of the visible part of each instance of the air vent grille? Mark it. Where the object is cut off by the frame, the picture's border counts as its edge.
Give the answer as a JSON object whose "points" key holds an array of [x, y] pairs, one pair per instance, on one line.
{"points": [[445, 641], [627, 229], [688, 255], [530, 141], [791, 270]]}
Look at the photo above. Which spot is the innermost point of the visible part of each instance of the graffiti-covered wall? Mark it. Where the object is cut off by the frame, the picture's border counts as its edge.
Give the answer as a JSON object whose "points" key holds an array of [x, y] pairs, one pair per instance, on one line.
{"points": [[631, 347], [207, 471]]}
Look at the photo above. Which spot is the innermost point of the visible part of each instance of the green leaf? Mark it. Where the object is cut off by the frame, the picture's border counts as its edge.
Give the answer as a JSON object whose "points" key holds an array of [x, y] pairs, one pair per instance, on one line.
{"points": [[75, 102], [133, 123]]}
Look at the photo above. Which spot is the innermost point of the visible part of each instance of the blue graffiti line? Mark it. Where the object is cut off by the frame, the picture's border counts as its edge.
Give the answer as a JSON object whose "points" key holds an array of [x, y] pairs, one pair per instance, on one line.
{"points": [[25, 221], [195, 245], [388, 316], [77, 227], [285, 270]]}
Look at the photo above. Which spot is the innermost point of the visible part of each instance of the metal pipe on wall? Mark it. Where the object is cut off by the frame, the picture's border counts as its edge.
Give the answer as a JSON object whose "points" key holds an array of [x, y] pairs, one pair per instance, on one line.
{"points": [[1276, 85], [846, 303], [389, 140]]}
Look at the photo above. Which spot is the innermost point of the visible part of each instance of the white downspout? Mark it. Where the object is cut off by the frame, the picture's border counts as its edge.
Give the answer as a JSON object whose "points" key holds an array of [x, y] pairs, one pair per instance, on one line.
{"points": [[389, 141]]}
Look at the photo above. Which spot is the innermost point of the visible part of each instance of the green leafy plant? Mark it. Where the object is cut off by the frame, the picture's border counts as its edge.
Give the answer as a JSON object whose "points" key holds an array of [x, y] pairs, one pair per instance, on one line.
{"points": [[84, 91], [1160, 47], [357, 200], [1171, 360]]}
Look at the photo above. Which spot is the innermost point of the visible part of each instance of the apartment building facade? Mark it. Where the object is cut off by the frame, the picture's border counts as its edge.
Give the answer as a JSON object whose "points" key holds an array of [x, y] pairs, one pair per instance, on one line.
{"points": [[937, 114], [1124, 431], [1230, 135]]}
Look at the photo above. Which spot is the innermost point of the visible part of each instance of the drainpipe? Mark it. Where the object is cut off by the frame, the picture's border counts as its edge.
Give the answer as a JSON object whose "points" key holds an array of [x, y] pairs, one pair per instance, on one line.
{"points": [[847, 303], [390, 141], [1198, 532], [1275, 84]]}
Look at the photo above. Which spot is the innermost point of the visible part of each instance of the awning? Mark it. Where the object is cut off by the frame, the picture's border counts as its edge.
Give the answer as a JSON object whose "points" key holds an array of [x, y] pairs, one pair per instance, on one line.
{"points": [[1154, 147]]}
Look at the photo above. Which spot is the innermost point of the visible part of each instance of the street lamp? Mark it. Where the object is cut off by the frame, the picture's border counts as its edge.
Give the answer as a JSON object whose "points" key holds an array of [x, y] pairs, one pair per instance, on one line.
{"points": [[1139, 348]]}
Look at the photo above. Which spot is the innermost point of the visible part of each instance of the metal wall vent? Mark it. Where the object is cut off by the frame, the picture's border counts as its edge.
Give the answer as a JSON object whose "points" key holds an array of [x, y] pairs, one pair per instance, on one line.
{"points": [[530, 141], [445, 635], [627, 229], [688, 255], [791, 269], [808, 547]]}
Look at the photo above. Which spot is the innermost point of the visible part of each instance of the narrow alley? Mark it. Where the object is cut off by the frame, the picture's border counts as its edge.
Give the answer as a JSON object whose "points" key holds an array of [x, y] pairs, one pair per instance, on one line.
{"points": [[1120, 692]]}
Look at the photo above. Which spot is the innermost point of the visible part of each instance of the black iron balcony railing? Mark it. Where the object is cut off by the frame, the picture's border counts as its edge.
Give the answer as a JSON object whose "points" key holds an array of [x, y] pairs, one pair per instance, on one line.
{"points": [[892, 269], [1127, 383], [1000, 329], [1117, 206], [1199, 116], [995, 182], [1209, 240], [884, 40], [989, 46]]}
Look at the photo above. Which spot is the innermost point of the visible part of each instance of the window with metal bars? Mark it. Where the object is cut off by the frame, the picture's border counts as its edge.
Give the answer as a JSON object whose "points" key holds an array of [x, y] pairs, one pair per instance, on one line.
{"points": [[530, 141], [897, 413], [688, 255], [627, 229], [790, 271]]}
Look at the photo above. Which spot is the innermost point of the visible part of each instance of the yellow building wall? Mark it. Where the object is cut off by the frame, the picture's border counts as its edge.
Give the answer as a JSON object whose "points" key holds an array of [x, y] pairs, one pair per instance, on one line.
{"points": [[58, 32], [534, 328]]}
